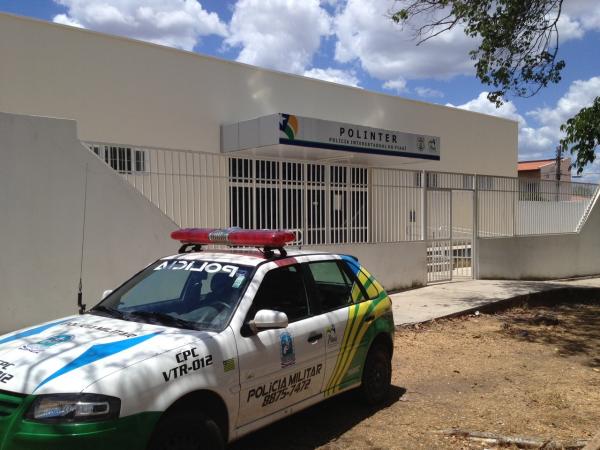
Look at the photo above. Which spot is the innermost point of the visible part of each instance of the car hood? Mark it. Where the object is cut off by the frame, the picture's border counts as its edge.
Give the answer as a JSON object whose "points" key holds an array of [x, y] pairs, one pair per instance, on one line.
{"points": [[69, 354]]}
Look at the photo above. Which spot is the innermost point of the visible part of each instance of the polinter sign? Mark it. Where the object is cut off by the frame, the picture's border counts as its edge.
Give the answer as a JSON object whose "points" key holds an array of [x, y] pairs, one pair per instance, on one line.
{"points": [[289, 129], [307, 132]]}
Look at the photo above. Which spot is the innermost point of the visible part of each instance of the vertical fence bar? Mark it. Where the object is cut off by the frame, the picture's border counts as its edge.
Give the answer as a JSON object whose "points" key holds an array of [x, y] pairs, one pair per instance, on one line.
{"points": [[423, 206], [475, 243]]}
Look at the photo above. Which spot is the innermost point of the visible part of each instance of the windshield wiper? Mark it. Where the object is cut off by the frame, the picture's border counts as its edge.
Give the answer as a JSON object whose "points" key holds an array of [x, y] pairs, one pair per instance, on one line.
{"points": [[163, 319], [105, 309]]}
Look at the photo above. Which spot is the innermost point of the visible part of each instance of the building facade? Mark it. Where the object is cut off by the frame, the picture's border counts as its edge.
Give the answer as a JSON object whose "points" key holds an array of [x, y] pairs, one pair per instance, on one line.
{"points": [[136, 139], [134, 94]]}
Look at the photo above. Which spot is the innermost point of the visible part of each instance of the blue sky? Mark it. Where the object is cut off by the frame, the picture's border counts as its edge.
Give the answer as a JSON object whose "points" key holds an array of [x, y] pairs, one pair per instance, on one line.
{"points": [[351, 42]]}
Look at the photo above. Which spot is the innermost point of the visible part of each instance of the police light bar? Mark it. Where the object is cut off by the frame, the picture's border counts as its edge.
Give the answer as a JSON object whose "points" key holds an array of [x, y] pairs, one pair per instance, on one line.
{"points": [[234, 236]]}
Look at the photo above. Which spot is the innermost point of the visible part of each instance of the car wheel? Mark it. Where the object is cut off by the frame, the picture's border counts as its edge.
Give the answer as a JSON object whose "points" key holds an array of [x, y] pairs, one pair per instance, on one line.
{"points": [[187, 431], [377, 376]]}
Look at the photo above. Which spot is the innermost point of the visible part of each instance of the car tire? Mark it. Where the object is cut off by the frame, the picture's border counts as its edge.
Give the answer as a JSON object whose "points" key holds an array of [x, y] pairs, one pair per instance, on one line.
{"points": [[377, 376], [187, 431]]}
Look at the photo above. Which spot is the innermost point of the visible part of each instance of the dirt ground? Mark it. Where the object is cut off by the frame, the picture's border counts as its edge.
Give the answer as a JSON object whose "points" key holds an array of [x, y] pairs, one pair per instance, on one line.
{"points": [[523, 372]]}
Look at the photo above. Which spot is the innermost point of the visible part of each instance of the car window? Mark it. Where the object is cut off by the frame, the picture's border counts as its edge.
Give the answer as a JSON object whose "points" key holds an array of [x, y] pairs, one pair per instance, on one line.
{"points": [[203, 294], [364, 288], [333, 286], [163, 285], [282, 289]]}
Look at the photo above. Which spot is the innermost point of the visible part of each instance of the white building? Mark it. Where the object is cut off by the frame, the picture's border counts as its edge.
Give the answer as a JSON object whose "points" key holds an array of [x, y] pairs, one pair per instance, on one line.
{"points": [[217, 143]]}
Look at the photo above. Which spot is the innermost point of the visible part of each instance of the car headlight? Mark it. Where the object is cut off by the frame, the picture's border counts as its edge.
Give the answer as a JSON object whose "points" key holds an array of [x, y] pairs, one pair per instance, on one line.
{"points": [[69, 408]]}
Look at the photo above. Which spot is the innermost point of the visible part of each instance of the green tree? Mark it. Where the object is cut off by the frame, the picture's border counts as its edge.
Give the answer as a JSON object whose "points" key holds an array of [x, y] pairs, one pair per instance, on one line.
{"points": [[516, 52], [582, 134]]}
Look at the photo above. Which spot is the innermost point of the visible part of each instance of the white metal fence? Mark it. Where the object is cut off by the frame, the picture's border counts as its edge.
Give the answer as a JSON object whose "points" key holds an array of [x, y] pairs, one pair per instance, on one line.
{"points": [[328, 203], [524, 206]]}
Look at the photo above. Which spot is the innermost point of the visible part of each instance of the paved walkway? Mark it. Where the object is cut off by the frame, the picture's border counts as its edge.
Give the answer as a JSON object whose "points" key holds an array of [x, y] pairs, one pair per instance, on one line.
{"points": [[446, 299]]}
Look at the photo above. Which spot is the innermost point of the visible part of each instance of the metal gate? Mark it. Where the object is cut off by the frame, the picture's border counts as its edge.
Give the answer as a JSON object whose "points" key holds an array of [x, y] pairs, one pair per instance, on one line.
{"points": [[439, 234], [449, 233]]}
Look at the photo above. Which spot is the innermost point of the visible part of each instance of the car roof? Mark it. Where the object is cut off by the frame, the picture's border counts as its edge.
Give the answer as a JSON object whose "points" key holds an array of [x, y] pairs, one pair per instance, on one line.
{"points": [[248, 257]]}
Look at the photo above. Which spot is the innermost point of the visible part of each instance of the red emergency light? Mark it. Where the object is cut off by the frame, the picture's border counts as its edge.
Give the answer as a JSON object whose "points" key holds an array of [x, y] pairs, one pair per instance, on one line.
{"points": [[234, 236]]}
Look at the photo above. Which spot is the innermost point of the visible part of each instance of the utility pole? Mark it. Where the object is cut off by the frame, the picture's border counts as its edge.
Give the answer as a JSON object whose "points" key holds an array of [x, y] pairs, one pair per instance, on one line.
{"points": [[559, 151]]}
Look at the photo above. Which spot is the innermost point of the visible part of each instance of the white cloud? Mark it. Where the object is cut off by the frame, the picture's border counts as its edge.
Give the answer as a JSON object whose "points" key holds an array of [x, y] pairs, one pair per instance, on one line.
{"points": [[580, 16], [547, 134], [531, 144], [569, 28], [365, 33], [398, 85], [278, 34], [591, 174], [481, 104], [581, 93], [176, 23], [388, 52], [428, 92], [333, 75], [539, 140]]}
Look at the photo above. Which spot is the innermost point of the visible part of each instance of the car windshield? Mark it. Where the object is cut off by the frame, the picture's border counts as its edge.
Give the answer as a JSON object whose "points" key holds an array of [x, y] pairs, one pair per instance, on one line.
{"points": [[179, 293]]}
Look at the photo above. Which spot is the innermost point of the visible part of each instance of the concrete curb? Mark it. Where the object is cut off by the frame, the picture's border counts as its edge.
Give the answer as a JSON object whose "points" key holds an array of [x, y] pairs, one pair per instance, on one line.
{"points": [[560, 294]]}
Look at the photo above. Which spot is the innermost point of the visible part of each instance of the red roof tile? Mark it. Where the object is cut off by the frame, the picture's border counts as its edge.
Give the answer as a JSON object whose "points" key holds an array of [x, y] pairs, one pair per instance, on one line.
{"points": [[534, 165]]}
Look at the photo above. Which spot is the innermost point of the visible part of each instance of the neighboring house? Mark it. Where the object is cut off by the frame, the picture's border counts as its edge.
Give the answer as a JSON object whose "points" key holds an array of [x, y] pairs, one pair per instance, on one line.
{"points": [[545, 169], [538, 180]]}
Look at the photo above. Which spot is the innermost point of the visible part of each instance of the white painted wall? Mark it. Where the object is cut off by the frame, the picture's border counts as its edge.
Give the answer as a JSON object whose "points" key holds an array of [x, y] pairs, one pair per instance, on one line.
{"points": [[396, 265], [135, 93], [543, 257], [42, 186]]}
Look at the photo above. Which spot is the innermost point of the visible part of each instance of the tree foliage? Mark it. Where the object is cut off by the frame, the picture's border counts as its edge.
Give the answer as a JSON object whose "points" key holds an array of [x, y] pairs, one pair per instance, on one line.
{"points": [[518, 39], [582, 134], [517, 52]]}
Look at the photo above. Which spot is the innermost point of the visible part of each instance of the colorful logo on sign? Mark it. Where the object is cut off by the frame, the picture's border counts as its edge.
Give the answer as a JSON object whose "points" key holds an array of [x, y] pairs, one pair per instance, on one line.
{"points": [[288, 124], [40, 346], [288, 357]]}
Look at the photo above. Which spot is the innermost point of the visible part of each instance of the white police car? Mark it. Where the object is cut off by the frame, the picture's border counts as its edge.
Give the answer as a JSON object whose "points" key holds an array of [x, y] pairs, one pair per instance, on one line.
{"points": [[199, 349]]}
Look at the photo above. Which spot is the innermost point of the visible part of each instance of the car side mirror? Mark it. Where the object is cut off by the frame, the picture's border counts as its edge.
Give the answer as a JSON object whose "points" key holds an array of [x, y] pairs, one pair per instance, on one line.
{"points": [[267, 319], [106, 293]]}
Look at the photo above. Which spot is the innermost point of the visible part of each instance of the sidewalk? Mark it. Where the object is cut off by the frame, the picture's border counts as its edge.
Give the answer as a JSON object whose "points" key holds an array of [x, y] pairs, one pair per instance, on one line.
{"points": [[447, 299]]}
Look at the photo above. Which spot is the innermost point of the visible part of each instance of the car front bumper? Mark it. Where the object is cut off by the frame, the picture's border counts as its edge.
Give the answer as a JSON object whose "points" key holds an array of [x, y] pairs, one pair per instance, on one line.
{"points": [[127, 433]]}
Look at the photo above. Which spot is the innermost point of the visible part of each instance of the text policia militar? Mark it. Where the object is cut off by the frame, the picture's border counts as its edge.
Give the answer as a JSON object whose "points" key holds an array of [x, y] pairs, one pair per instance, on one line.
{"points": [[284, 387]]}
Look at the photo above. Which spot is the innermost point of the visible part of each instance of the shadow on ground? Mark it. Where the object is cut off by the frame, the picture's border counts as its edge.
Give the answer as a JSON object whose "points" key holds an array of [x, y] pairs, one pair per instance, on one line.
{"points": [[571, 328], [514, 293], [316, 426]]}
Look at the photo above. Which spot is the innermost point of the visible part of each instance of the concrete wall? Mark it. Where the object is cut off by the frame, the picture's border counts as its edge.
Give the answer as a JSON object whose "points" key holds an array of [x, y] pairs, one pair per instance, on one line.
{"points": [[396, 265], [129, 92], [543, 257], [42, 184]]}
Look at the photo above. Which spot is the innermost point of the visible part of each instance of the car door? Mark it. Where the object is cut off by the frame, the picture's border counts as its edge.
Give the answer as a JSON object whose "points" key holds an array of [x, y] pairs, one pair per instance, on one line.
{"points": [[280, 367], [339, 297]]}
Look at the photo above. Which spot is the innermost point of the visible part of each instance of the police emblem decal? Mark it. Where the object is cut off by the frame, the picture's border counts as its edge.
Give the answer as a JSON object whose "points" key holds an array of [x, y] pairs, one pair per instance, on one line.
{"points": [[39, 347], [331, 335], [288, 357]]}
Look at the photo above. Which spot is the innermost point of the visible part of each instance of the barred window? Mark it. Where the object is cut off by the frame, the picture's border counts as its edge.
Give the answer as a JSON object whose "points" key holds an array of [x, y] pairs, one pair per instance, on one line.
{"points": [[294, 195], [122, 159]]}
